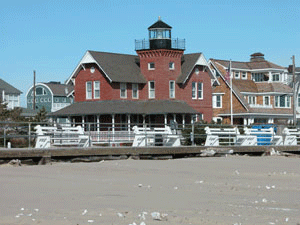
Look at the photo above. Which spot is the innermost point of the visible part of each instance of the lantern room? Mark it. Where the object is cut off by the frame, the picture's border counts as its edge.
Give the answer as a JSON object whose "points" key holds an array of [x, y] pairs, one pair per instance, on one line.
{"points": [[160, 35]]}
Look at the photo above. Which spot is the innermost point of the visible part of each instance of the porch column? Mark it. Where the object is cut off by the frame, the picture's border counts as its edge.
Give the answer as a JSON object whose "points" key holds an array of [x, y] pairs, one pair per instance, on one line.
{"points": [[128, 125], [128, 122], [82, 121], [113, 126], [98, 127], [144, 120], [271, 120], [98, 123], [166, 121], [69, 121], [174, 117], [183, 121], [245, 121]]}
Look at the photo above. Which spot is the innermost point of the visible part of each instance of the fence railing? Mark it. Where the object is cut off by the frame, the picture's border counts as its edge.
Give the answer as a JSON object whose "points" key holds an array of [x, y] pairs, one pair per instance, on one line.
{"points": [[23, 135]]}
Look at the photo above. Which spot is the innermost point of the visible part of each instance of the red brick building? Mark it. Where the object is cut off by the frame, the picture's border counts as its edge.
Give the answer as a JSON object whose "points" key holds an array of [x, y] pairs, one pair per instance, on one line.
{"points": [[157, 85]]}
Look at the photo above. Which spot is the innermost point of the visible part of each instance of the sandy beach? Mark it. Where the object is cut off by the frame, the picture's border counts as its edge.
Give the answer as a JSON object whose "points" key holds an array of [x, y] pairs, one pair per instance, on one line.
{"points": [[217, 190]]}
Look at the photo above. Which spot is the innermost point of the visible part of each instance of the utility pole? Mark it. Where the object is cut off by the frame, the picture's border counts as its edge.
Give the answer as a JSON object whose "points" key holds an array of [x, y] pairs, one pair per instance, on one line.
{"points": [[295, 88], [33, 105]]}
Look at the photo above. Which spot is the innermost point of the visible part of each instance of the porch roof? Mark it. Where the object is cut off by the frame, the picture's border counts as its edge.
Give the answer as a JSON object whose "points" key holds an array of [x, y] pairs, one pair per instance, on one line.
{"points": [[149, 107]]}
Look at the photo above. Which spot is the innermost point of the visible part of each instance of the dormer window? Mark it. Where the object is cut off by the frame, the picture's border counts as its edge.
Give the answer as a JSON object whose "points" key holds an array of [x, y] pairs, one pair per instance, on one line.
{"points": [[40, 91], [151, 66], [275, 77], [237, 75]]}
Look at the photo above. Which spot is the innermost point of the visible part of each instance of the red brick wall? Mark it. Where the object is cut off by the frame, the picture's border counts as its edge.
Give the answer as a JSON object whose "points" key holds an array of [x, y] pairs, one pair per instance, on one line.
{"points": [[161, 75]]}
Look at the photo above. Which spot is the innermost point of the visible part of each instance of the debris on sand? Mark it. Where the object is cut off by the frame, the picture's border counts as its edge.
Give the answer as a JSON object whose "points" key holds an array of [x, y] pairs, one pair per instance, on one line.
{"points": [[15, 162]]}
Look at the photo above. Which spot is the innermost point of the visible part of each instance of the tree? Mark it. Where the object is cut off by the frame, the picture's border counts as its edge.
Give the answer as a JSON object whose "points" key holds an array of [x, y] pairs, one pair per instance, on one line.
{"points": [[11, 115], [41, 115]]}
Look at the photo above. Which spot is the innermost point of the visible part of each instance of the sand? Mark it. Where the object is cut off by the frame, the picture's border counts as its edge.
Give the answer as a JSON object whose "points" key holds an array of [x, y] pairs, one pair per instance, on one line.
{"points": [[216, 190]]}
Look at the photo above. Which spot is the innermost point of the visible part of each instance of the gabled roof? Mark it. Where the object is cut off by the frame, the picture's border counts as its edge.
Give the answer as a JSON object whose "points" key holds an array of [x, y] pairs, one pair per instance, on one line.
{"points": [[116, 67], [189, 61], [8, 89], [159, 24], [59, 89], [125, 107]]}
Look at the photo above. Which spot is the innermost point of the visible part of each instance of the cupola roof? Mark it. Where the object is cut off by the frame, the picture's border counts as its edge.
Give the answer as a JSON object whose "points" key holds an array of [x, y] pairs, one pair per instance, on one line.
{"points": [[159, 24]]}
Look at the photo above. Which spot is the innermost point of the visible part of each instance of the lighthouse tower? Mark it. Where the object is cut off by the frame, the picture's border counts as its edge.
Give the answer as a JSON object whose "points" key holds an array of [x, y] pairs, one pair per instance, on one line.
{"points": [[160, 61]]}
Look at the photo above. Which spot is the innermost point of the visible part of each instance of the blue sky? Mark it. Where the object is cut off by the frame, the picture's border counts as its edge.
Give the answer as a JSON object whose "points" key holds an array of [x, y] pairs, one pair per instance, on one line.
{"points": [[52, 36]]}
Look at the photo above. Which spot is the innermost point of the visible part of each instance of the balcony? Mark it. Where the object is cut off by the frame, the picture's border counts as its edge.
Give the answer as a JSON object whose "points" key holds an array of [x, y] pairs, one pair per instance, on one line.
{"points": [[144, 44]]}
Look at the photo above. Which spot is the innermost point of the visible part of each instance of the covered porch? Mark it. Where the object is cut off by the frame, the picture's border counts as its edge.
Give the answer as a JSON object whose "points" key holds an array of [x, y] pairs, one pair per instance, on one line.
{"points": [[112, 121]]}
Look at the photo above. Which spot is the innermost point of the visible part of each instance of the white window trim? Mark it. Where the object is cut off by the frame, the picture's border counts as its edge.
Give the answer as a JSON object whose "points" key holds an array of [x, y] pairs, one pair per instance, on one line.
{"points": [[251, 96], [149, 67], [150, 89], [239, 75], [194, 97], [87, 91], [197, 93], [244, 78], [197, 90], [285, 101], [171, 81], [97, 81], [264, 100], [214, 98], [276, 74], [137, 90], [125, 86]]}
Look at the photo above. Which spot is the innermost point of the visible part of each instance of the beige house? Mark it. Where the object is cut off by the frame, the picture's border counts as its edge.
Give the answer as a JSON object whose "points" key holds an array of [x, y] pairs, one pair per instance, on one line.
{"points": [[260, 93]]}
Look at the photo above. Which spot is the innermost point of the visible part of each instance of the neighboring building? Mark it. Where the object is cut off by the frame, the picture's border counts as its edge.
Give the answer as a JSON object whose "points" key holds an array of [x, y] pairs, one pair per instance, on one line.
{"points": [[9, 95], [53, 96], [260, 92], [158, 85], [297, 87]]}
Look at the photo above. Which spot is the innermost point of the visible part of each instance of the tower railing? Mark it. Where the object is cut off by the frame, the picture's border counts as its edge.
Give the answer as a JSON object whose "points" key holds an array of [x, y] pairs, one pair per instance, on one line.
{"points": [[144, 44]]}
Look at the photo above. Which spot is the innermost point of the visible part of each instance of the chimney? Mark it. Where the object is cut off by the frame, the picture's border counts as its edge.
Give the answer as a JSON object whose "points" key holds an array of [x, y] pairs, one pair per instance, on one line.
{"points": [[257, 57]]}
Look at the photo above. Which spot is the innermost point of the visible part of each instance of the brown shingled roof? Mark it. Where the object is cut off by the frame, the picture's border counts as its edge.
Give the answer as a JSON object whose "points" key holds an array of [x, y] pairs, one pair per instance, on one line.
{"points": [[125, 107], [60, 89], [119, 67], [248, 65], [189, 61]]}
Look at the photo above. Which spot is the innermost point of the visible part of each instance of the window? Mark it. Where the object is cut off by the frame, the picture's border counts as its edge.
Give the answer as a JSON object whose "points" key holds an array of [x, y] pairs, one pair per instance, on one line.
{"points": [[40, 91], [275, 77], [237, 75], [123, 90], [266, 100], [172, 89], [259, 77], [217, 101], [197, 90], [135, 91], [96, 89], [92, 69], [283, 101], [200, 90], [88, 90], [151, 66], [194, 89], [151, 89], [252, 100], [171, 66], [244, 75], [298, 100]]}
